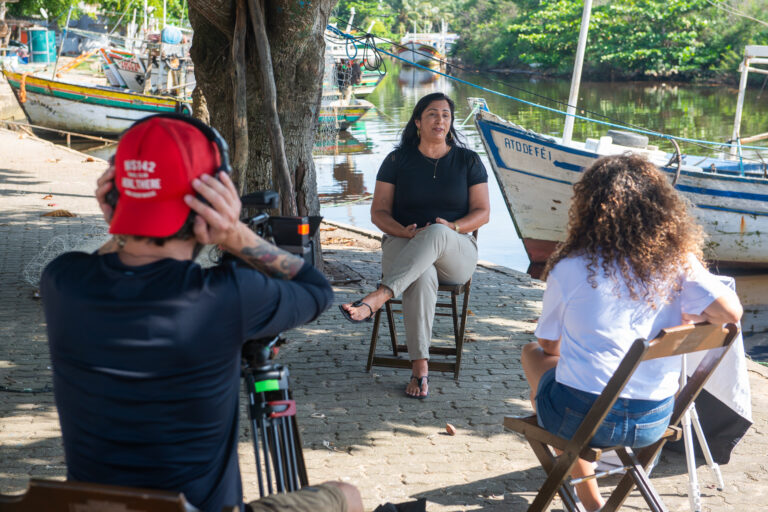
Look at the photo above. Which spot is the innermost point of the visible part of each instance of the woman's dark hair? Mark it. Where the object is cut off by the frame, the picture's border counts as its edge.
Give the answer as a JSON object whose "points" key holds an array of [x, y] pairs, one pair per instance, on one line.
{"points": [[626, 216], [410, 137]]}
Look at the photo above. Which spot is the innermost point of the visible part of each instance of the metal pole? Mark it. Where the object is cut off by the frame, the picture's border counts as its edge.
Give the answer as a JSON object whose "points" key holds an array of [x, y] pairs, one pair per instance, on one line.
{"points": [[61, 46], [744, 68], [573, 97]]}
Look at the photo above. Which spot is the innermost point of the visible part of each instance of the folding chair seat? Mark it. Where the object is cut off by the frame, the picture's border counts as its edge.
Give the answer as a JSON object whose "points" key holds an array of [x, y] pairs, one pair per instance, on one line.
{"points": [[398, 359], [679, 340], [57, 496]]}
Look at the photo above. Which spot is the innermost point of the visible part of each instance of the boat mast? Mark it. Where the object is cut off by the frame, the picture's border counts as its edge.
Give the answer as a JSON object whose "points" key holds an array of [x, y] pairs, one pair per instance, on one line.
{"points": [[573, 97]]}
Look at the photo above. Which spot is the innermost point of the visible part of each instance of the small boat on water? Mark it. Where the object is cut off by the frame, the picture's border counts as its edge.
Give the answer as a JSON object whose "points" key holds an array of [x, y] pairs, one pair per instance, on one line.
{"points": [[427, 48], [342, 113], [85, 109], [536, 173]]}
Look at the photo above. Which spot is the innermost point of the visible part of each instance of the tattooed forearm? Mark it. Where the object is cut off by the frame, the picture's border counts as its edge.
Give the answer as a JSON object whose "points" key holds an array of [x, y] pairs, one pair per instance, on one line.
{"points": [[272, 260]]}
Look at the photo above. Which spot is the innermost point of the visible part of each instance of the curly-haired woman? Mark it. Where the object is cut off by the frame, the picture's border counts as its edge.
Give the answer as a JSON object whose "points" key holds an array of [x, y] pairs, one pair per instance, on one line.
{"points": [[631, 265]]}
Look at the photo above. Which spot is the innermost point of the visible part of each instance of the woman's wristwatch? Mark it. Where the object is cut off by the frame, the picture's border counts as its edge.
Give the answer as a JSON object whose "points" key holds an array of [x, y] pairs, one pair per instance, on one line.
{"points": [[456, 227]]}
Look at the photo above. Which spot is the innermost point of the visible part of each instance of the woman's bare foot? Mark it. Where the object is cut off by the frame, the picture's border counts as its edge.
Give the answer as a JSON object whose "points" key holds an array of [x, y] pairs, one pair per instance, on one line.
{"points": [[418, 386], [374, 301]]}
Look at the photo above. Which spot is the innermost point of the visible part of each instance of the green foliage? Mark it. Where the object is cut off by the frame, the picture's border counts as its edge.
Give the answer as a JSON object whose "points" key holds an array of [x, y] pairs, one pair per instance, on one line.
{"points": [[627, 38], [58, 9]]}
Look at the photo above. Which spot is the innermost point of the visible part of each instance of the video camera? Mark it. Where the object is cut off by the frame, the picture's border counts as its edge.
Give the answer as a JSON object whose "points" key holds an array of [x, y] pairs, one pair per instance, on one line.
{"points": [[292, 234]]}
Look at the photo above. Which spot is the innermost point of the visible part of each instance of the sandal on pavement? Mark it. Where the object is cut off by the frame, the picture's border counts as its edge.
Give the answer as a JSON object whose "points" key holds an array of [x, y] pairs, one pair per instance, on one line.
{"points": [[357, 304], [420, 381]]}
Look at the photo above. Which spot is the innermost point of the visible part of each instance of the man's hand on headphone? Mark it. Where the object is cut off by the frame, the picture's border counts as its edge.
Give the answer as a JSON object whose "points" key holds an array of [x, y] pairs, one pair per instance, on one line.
{"points": [[219, 222], [104, 184]]}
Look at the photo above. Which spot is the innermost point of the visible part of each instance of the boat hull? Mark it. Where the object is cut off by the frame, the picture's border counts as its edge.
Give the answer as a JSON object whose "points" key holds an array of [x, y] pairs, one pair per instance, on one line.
{"points": [[536, 175], [422, 54], [342, 114], [84, 109]]}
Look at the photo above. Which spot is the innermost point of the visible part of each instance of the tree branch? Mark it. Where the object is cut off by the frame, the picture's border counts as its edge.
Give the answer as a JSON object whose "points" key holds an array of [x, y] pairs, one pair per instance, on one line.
{"points": [[279, 160], [240, 110]]}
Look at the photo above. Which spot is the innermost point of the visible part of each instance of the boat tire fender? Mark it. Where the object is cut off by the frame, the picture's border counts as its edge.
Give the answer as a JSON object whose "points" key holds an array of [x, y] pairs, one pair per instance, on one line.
{"points": [[184, 108], [629, 139]]}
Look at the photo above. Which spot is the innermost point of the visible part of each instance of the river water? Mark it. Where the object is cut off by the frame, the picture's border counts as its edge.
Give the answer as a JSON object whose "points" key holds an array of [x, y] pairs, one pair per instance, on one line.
{"points": [[347, 176]]}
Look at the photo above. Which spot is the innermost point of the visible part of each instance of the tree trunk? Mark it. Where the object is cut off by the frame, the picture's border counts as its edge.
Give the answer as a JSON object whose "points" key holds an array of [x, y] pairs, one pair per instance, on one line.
{"points": [[295, 31]]}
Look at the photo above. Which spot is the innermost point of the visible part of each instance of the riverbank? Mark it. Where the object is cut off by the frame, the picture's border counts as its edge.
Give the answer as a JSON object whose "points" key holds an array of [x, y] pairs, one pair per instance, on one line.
{"points": [[356, 426]]}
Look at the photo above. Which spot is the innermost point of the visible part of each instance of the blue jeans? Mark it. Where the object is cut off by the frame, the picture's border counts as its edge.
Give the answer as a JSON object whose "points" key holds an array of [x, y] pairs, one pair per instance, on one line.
{"points": [[631, 422]]}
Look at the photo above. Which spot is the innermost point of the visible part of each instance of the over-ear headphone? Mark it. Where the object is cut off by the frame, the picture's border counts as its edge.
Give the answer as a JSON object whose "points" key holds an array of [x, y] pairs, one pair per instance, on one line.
{"points": [[211, 133]]}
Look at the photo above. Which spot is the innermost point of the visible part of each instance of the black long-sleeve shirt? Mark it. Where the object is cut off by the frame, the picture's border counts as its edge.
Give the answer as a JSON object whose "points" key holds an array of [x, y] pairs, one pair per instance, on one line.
{"points": [[146, 365]]}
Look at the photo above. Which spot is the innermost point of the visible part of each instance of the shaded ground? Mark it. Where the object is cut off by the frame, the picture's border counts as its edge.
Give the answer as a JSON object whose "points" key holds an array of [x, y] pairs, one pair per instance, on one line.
{"points": [[356, 426]]}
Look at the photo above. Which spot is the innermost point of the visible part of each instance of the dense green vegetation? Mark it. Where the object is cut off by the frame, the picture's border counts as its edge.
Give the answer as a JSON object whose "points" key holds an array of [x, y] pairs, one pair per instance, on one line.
{"points": [[57, 10], [683, 39]]}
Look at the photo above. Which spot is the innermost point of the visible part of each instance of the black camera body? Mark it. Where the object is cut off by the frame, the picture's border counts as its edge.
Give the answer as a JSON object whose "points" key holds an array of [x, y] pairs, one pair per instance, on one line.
{"points": [[292, 234]]}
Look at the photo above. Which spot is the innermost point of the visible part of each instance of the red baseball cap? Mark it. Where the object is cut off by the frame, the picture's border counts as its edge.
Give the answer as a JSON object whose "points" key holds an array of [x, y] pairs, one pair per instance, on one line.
{"points": [[155, 163]]}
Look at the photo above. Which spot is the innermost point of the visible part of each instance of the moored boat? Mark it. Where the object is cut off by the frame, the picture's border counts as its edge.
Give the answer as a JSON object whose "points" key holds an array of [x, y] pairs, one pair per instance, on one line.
{"points": [[536, 174], [342, 113], [83, 108]]}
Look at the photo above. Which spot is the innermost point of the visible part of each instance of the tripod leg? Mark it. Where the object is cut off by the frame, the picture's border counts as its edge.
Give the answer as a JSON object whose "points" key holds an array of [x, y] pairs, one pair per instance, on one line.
{"points": [[277, 458], [290, 463], [705, 448], [265, 446], [694, 498]]}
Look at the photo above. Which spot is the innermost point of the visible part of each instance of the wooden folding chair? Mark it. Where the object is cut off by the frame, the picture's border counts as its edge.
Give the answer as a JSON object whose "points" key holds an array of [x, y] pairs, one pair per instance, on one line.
{"points": [[70, 496], [459, 326], [679, 340]]}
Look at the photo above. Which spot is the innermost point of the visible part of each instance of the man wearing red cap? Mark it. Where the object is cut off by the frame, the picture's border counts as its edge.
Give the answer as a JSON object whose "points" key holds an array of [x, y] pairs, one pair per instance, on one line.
{"points": [[145, 344]]}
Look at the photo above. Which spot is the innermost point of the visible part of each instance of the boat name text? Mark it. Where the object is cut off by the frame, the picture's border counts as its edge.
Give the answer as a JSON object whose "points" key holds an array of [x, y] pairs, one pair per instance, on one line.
{"points": [[528, 149]]}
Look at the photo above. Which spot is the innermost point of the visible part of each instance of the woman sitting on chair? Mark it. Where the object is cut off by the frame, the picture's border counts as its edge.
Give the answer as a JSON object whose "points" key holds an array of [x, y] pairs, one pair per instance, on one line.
{"points": [[431, 194], [631, 265]]}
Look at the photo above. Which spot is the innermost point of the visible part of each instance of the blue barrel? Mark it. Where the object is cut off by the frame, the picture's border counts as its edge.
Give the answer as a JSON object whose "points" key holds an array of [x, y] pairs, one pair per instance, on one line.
{"points": [[38, 45], [170, 35], [52, 48]]}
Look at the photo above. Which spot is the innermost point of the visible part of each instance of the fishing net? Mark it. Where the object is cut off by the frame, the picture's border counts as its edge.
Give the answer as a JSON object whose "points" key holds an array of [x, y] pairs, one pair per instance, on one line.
{"points": [[87, 239], [337, 81]]}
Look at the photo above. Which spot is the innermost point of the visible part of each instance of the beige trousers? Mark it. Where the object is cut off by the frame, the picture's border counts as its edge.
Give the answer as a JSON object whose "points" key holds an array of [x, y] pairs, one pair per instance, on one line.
{"points": [[414, 267]]}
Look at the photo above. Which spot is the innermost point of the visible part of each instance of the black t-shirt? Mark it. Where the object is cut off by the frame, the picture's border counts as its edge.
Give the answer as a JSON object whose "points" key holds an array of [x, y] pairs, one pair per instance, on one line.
{"points": [[146, 365], [426, 188]]}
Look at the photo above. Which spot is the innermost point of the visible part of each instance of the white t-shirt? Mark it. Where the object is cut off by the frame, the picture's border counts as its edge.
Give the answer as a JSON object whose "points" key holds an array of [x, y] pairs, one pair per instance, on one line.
{"points": [[596, 326]]}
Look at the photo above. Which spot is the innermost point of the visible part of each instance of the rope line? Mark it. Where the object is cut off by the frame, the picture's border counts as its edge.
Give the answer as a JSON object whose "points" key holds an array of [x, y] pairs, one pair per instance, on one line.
{"points": [[611, 124]]}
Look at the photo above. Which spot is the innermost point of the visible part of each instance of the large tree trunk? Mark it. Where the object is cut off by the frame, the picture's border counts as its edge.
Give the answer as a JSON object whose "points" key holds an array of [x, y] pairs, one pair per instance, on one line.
{"points": [[295, 30]]}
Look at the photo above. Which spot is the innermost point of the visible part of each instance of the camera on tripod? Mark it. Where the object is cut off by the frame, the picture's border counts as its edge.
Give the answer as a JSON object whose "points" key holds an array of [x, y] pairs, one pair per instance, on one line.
{"points": [[292, 234], [272, 411]]}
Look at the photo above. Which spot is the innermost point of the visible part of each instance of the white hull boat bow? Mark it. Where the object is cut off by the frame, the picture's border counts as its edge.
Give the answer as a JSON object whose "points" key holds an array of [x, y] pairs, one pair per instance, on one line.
{"points": [[536, 174]]}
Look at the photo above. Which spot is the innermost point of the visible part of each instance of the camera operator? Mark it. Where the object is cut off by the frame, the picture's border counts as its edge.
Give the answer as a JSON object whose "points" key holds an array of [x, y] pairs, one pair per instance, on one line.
{"points": [[146, 344]]}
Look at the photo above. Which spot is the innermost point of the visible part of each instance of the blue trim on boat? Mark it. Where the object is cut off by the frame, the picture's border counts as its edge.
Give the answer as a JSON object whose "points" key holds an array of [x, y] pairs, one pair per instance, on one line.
{"points": [[732, 210], [723, 193]]}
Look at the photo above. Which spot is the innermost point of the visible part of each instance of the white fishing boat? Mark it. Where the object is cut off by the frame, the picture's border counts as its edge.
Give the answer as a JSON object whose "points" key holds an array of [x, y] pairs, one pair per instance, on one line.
{"points": [[536, 172], [427, 48], [83, 108]]}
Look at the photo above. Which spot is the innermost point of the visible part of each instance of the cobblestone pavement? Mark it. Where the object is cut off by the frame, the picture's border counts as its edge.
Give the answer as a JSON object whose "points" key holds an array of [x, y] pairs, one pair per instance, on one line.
{"points": [[356, 426]]}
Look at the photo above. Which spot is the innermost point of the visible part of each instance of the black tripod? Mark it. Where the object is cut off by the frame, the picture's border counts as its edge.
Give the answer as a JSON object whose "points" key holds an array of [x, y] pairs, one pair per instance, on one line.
{"points": [[272, 412]]}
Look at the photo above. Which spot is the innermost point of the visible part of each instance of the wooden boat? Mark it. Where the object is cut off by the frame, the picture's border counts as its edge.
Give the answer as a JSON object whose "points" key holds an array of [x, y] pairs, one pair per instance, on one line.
{"points": [[83, 108], [427, 48], [342, 113], [168, 76], [536, 174]]}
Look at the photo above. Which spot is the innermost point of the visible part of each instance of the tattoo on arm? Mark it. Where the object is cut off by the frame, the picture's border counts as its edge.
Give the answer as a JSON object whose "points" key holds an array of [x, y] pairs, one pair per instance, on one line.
{"points": [[272, 260]]}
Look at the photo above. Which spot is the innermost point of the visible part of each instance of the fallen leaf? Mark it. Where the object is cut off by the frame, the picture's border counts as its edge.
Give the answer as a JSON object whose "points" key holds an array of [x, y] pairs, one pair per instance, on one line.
{"points": [[90, 159], [49, 196], [51, 204], [58, 213]]}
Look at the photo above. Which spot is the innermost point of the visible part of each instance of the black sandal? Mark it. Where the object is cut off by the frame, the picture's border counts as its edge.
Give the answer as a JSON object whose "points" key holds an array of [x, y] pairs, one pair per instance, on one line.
{"points": [[420, 381], [357, 304]]}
